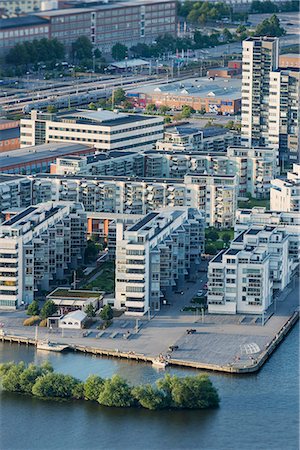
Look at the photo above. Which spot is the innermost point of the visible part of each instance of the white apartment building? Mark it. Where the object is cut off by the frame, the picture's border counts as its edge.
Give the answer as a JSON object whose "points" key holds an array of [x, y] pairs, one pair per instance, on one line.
{"points": [[155, 256], [284, 118], [216, 194], [287, 222], [103, 130], [256, 167], [242, 278], [15, 192], [37, 247], [186, 138], [260, 58], [285, 193]]}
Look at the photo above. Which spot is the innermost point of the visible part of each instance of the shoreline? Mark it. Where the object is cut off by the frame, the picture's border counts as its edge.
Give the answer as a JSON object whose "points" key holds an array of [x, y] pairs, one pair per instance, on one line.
{"points": [[238, 368]]}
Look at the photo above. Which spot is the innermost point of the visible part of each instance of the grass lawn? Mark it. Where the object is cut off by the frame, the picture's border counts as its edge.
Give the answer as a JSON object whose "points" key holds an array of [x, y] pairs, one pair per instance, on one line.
{"points": [[106, 280], [252, 202]]}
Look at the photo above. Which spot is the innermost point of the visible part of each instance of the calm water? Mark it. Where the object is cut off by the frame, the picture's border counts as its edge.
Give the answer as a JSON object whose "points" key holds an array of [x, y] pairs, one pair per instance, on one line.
{"points": [[257, 412]]}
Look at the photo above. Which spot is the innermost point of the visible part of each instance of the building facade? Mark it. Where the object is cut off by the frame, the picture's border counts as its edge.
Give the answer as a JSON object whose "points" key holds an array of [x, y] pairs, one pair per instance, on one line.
{"points": [[242, 279], [285, 193], [39, 246], [102, 130], [155, 256]]}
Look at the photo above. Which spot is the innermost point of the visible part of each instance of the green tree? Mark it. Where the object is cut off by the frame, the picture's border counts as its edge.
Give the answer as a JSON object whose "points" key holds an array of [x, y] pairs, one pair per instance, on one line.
{"points": [[226, 237], [270, 27], [163, 109], [187, 111], [11, 381], [90, 310], [48, 309], [227, 35], [119, 51], [116, 392], [90, 252], [212, 235], [78, 391], [82, 48], [141, 50], [92, 106], [119, 95], [149, 397], [106, 313], [33, 309], [29, 376], [150, 107], [54, 385], [194, 393], [211, 249], [92, 387], [51, 109]]}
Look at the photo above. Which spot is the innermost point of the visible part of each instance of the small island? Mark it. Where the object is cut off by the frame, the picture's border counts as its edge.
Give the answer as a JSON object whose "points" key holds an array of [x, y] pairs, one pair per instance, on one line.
{"points": [[169, 392]]}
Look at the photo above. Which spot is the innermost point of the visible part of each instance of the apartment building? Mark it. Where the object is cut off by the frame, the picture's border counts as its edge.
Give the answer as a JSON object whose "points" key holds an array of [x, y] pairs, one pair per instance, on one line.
{"points": [[285, 193], [15, 192], [103, 130], [216, 194], [242, 279], [256, 167], [284, 119], [38, 246], [287, 222], [260, 58], [270, 99], [186, 138], [155, 256]]}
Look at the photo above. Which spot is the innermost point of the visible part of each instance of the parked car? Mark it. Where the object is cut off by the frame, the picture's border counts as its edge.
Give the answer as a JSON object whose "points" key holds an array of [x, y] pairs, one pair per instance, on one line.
{"points": [[173, 348], [191, 331]]}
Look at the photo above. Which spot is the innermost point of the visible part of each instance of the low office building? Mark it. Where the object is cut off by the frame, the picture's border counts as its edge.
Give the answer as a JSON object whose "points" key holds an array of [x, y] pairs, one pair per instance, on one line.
{"points": [[285, 193], [288, 222], [68, 300], [155, 256], [9, 135], [39, 158], [242, 278], [102, 130], [221, 95], [216, 194], [38, 247]]}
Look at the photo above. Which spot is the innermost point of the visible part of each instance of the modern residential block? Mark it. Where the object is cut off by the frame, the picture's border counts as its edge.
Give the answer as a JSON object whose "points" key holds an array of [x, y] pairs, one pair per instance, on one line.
{"points": [[285, 193], [38, 246], [242, 279], [155, 256]]}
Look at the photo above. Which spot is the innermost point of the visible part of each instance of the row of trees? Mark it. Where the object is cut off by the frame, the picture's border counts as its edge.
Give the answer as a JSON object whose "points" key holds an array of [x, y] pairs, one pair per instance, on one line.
{"points": [[38, 50], [203, 12], [169, 392], [49, 309]]}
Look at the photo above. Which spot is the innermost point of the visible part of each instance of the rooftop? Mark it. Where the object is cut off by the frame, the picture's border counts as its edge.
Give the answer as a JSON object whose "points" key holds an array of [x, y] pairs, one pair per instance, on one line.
{"points": [[220, 88], [38, 152], [9, 133], [106, 118], [22, 21], [74, 294], [5, 178]]}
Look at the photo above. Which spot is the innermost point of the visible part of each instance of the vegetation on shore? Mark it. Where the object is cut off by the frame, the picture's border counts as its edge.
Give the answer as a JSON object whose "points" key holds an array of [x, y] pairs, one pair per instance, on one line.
{"points": [[170, 392]]}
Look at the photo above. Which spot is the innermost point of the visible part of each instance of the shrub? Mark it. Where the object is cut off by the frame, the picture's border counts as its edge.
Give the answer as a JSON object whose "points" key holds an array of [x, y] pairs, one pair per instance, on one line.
{"points": [[93, 387], [149, 397], [34, 320], [11, 380], [33, 309], [78, 391], [116, 392], [54, 385], [107, 313], [43, 323]]}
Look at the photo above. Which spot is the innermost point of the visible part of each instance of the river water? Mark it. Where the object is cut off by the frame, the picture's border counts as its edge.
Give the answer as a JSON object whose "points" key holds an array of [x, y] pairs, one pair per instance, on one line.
{"points": [[257, 412]]}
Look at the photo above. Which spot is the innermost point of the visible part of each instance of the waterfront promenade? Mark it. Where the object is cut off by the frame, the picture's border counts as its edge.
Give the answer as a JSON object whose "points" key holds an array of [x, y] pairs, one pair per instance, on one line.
{"points": [[228, 343]]}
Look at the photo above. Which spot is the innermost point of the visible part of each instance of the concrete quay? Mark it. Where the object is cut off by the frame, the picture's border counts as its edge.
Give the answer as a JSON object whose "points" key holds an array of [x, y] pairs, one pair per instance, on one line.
{"points": [[232, 344]]}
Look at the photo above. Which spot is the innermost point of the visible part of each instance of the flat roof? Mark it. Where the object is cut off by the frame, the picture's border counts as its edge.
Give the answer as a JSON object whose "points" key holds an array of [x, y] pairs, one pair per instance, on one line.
{"points": [[290, 55], [20, 216], [22, 21], [219, 88], [4, 178], [108, 118], [141, 223], [39, 152], [9, 133], [128, 63], [76, 293]]}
